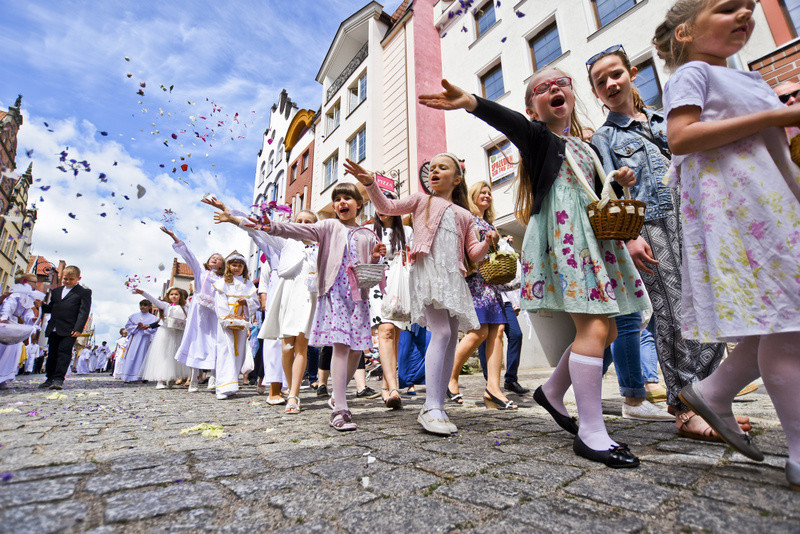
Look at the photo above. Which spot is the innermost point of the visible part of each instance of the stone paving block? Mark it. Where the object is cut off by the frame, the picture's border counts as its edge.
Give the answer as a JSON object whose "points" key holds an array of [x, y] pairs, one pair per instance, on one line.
{"points": [[488, 455], [400, 481], [349, 468], [257, 488], [138, 478], [770, 460], [558, 515], [198, 519], [709, 515], [316, 526], [682, 477], [776, 500], [626, 493], [37, 491], [443, 466], [43, 518], [39, 473], [401, 455], [142, 461], [142, 505], [232, 466], [485, 490], [320, 502], [541, 474], [686, 460], [752, 472], [296, 458], [693, 447], [407, 514], [638, 437]]}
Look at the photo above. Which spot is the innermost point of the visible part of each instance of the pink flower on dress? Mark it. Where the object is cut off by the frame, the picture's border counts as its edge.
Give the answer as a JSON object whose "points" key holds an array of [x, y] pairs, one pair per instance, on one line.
{"points": [[565, 250], [610, 257], [561, 217], [639, 293], [594, 294], [572, 263], [757, 229], [569, 239]]}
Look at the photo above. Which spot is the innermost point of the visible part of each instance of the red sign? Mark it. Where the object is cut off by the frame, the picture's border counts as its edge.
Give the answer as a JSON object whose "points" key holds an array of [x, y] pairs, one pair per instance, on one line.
{"points": [[387, 184]]}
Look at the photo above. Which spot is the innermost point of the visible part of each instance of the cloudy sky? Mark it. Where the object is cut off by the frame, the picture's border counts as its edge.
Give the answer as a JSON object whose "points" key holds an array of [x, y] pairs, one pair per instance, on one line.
{"points": [[207, 72]]}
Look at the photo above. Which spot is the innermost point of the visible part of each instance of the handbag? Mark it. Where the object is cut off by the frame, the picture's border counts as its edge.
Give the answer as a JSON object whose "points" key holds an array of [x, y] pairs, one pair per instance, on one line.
{"points": [[610, 217], [396, 303]]}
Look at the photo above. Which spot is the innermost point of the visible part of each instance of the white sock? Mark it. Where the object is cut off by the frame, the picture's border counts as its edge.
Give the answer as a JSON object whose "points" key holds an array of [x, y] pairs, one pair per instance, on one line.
{"points": [[587, 383]]}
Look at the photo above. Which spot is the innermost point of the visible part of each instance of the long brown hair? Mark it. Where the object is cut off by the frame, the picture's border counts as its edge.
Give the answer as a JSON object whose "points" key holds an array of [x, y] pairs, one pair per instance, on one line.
{"points": [[229, 274], [638, 103], [181, 302], [460, 193], [669, 48], [221, 269]]}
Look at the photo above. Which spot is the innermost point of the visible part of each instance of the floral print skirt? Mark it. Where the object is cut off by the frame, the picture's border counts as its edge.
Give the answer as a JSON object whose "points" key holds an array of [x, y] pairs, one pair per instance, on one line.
{"points": [[340, 319]]}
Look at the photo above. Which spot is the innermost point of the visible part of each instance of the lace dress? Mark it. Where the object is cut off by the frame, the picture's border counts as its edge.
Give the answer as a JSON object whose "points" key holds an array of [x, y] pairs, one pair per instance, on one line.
{"points": [[436, 279]]}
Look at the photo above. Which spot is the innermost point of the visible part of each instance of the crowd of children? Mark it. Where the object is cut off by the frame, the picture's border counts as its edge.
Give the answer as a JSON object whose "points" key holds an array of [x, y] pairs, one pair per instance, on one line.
{"points": [[716, 261]]}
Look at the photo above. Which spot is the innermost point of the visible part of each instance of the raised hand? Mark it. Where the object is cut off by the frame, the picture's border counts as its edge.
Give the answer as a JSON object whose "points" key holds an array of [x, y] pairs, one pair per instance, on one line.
{"points": [[138, 291], [452, 97], [170, 233], [252, 222], [360, 173], [223, 217], [214, 202]]}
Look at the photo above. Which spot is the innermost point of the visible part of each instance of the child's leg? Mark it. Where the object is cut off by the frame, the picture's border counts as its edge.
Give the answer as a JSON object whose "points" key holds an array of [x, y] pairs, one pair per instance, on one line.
{"points": [[594, 332], [439, 356], [464, 350], [343, 365], [736, 371], [388, 335], [494, 360], [780, 370], [559, 382], [287, 359], [299, 364]]}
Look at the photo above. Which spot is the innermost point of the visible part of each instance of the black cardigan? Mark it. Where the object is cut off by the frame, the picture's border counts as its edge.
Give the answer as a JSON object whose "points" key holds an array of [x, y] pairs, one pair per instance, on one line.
{"points": [[541, 150]]}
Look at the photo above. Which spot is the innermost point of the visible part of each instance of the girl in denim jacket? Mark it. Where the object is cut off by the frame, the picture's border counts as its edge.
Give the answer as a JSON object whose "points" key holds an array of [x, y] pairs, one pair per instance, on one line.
{"points": [[636, 136]]}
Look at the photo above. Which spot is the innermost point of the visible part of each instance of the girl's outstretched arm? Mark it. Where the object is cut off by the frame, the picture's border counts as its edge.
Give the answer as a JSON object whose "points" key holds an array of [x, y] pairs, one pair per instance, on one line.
{"points": [[170, 233], [158, 303], [382, 204], [452, 97]]}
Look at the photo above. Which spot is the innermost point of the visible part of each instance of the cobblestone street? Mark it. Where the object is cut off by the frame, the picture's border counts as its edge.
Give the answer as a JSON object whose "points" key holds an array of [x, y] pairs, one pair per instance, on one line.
{"points": [[110, 457]]}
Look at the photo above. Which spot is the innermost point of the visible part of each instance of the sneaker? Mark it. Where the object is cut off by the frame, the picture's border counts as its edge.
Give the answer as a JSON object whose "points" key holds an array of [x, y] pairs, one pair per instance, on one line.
{"points": [[212, 383], [46, 384], [646, 411], [57, 384], [193, 387], [305, 384], [221, 396], [322, 390], [368, 393], [161, 385]]}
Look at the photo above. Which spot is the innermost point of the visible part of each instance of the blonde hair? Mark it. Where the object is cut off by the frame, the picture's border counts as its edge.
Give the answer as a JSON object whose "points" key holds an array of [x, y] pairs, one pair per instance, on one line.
{"points": [[71, 269], [229, 275], [474, 190], [683, 13], [313, 215]]}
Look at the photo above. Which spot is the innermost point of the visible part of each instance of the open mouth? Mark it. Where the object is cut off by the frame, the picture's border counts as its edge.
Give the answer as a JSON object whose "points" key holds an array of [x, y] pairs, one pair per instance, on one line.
{"points": [[557, 101], [614, 93], [741, 29]]}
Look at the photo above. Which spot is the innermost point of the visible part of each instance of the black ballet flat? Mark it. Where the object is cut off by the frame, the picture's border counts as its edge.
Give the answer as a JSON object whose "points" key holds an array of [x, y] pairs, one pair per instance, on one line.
{"points": [[566, 422], [617, 457]]}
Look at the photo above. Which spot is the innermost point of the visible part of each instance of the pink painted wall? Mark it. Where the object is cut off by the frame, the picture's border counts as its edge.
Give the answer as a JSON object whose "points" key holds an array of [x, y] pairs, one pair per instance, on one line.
{"points": [[430, 134]]}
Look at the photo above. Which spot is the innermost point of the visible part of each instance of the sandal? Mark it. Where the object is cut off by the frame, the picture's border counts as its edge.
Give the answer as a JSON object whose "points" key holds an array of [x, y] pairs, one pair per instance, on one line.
{"points": [[342, 421], [458, 398], [292, 406], [411, 391], [707, 434], [497, 404], [261, 390], [393, 401]]}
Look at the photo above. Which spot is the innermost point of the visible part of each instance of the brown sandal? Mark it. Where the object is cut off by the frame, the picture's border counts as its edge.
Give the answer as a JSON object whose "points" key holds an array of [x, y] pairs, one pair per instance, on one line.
{"points": [[394, 400], [706, 435]]}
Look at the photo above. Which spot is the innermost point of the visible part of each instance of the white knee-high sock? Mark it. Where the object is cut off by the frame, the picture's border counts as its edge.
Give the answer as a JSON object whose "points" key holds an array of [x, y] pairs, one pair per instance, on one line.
{"points": [[339, 375], [587, 381], [559, 382], [439, 357], [735, 372], [780, 370]]}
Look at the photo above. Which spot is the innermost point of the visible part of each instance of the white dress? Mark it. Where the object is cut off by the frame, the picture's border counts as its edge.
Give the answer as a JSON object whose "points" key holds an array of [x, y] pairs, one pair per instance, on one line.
{"points": [[33, 350], [161, 364], [82, 368], [375, 294], [436, 279], [15, 308], [199, 345], [291, 310], [135, 355], [119, 354], [232, 344]]}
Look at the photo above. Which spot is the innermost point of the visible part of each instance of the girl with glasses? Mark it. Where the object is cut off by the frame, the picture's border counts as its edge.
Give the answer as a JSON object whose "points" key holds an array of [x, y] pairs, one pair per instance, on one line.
{"points": [[564, 267]]}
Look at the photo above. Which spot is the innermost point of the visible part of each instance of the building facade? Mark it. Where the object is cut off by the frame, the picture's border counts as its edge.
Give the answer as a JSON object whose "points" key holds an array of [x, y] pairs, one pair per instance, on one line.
{"points": [[299, 148]]}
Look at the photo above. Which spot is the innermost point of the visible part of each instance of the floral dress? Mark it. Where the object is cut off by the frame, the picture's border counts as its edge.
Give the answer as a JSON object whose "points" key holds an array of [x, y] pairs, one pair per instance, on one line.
{"points": [[564, 267], [486, 298]]}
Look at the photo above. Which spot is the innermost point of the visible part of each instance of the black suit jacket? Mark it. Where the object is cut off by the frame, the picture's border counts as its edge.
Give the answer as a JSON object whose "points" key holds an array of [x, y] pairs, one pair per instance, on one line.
{"points": [[70, 313]]}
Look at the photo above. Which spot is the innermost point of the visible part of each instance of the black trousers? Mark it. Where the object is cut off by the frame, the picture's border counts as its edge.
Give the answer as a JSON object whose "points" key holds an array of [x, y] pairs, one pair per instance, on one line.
{"points": [[59, 356]]}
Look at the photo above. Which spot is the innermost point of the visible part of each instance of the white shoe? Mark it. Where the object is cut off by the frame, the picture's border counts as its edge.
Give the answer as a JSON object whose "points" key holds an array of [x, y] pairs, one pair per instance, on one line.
{"points": [[221, 396], [434, 425], [448, 422], [161, 385], [212, 382], [193, 387], [646, 411]]}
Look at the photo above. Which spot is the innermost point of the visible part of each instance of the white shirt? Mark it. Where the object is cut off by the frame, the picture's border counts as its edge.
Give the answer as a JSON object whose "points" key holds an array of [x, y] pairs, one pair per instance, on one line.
{"points": [[65, 291]]}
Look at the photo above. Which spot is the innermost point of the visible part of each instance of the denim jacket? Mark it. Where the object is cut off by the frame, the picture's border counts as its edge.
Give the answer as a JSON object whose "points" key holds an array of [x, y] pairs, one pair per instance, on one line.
{"points": [[624, 142]]}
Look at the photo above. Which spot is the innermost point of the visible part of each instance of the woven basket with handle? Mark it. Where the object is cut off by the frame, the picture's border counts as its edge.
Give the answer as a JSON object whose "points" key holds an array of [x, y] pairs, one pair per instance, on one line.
{"points": [[500, 268], [610, 217], [367, 274]]}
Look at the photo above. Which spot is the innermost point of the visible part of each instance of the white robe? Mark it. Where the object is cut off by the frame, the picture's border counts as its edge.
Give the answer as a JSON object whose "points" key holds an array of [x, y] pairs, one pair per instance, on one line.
{"points": [[33, 351], [102, 357], [140, 339], [15, 308], [232, 344], [161, 364], [119, 354], [198, 348], [84, 359]]}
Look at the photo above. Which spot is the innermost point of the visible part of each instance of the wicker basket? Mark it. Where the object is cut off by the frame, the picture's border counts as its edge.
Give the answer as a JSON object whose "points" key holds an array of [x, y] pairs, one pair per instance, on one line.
{"points": [[367, 274], [499, 269], [234, 322], [610, 217], [794, 149]]}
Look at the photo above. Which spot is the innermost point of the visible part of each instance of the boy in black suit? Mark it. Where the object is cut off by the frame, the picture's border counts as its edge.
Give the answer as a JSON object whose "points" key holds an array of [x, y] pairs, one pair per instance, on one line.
{"points": [[69, 308]]}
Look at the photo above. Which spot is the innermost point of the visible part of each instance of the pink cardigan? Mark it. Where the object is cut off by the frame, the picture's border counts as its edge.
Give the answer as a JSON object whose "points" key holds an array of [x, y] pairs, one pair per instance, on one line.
{"points": [[331, 234], [426, 222]]}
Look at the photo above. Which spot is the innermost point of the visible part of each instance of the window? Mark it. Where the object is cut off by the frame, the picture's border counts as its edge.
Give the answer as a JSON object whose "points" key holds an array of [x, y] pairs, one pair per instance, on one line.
{"points": [[358, 91], [293, 173], [484, 18], [607, 10], [500, 170], [280, 151], [270, 162], [302, 202], [545, 47], [792, 9], [358, 145], [305, 160], [648, 85], [263, 170], [331, 165], [332, 118], [492, 83]]}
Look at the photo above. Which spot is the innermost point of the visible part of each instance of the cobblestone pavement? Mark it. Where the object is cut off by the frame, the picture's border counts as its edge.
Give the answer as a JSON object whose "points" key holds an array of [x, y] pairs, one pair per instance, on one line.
{"points": [[110, 457]]}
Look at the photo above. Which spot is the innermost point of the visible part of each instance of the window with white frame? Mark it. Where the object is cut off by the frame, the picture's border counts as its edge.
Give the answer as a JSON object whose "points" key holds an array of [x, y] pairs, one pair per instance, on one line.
{"points": [[484, 18], [357, 145], [330, 167], [492, 83], [305, 160], [358, 91], [648, 85], [545, 47], [332, 118], [606, 11]]}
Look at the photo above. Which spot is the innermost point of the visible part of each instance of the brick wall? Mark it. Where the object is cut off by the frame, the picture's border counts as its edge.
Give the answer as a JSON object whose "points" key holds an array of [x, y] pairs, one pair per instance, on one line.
{"points": [[781, 65]]}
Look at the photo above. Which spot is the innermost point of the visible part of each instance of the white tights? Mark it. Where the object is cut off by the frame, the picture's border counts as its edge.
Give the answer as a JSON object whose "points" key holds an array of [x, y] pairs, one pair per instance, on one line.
{"points": [[343, 366], [439, 357]]}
